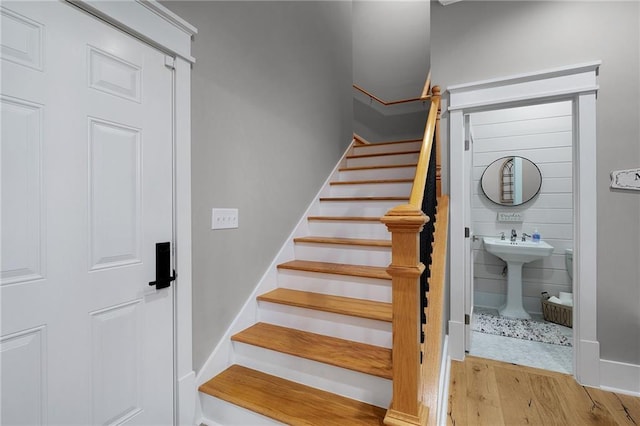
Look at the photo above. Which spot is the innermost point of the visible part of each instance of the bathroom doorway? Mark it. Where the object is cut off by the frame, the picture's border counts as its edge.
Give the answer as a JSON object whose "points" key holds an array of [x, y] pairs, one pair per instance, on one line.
{"points": [[577, 84], [521, 187]]}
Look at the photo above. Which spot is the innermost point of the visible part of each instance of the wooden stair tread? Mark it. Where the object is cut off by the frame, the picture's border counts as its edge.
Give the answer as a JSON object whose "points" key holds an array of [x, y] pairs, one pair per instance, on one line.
{"points": [[337, 269], [361, 308], [382, 154], [344, 241], [385, 166], [371, 181], [405, 198], [289, 402], [346, 218], [361, 357], [393, 142]]}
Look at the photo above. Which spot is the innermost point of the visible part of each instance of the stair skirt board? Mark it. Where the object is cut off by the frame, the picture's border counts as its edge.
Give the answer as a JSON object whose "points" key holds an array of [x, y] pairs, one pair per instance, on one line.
{"points": [[363, 330], [352, 384]]}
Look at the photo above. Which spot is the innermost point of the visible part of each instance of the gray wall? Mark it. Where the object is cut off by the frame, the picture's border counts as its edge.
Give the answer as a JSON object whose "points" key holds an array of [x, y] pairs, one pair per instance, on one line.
{"points": [[391, 61], [391, 47], [473, 41], [271, 116]]}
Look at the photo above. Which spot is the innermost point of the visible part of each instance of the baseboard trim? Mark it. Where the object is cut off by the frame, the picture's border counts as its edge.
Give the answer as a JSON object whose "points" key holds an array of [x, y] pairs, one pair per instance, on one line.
{"points": [[620, 377], [456, 340], [187, 398], [587, 362], [443, 386]]}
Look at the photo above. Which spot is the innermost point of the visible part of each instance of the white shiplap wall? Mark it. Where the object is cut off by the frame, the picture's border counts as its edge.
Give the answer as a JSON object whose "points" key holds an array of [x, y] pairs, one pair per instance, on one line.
{"points": [[543, 134]]}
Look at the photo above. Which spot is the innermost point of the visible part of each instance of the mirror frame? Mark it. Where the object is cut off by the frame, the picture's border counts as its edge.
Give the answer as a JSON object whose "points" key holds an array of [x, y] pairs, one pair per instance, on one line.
{"points": [[503, 160]]}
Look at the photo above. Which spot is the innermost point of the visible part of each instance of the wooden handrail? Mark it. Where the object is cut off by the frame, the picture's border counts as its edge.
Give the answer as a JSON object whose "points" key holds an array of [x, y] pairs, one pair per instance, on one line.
{"points": [[423, 97], [417, 191], [405, 222], [432, 346], [427, 87], [360, 140]]}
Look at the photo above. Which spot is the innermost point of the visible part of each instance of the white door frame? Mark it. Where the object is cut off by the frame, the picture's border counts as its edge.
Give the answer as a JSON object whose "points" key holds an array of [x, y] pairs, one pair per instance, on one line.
{"points": [[577, 83], [158, 26]]}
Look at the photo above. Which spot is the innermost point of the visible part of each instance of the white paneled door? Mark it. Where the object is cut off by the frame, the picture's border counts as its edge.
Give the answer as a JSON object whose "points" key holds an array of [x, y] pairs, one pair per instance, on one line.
{"points": [[86, 195]]}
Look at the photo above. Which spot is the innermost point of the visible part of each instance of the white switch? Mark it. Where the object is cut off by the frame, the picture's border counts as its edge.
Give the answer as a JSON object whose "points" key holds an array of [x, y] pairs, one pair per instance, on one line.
{"points": [[224, 218]]}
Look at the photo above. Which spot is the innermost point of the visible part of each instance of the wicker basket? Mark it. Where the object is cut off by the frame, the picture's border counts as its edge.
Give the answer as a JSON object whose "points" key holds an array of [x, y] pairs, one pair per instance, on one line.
{"points": [[553, 312]]}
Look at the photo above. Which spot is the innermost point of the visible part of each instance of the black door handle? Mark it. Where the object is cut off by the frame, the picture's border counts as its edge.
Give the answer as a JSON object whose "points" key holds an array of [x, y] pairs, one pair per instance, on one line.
{"points": [[163, 266]]}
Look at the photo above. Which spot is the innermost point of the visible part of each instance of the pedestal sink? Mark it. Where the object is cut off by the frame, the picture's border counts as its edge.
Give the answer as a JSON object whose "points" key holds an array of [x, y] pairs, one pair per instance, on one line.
{"points": [[516, 254]]}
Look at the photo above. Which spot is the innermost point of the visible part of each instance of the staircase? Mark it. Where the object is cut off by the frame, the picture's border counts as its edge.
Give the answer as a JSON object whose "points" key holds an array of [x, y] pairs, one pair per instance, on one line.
{"points": [[319, 352]]}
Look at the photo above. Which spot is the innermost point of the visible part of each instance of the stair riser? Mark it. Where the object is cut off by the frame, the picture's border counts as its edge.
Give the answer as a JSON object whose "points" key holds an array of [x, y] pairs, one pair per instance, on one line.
{"points": [[387, 173], [383, 160], [336, 285], [219, 412], [361, 330], [352, 384], [380, 148], [372, 190], [373, 230], [353, 255], [359, 208]]}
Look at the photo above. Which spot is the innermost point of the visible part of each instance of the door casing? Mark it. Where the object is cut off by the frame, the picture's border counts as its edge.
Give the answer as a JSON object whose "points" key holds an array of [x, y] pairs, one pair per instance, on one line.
{"points": [[578, 84]]}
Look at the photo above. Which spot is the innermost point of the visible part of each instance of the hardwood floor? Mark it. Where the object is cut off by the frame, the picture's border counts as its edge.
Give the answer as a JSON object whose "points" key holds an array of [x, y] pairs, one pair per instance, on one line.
{"points": [[487, 392]]}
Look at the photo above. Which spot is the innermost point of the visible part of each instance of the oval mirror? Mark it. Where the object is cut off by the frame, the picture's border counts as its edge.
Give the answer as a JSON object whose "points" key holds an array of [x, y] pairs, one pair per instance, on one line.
{"points": [[511, 181]]}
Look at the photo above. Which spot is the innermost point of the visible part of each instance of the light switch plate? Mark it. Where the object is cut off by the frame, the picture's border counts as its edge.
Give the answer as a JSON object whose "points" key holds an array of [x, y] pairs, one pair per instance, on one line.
{"points": [[509, 217], [224, 218]]}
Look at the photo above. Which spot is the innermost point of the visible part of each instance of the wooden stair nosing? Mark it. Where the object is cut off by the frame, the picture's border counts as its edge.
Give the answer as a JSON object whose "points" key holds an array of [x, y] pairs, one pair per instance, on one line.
{"points": [[345, 218], [381, 154], [393, 142], [355, 356], [366, 198], [343, 241], [371, 182], [369, 309], [384, 166], [289, 402], [337, 269]]}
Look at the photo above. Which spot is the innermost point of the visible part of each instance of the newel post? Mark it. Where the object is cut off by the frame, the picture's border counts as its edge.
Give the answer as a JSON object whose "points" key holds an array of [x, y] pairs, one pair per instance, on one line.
{"points": [[405, 223]]}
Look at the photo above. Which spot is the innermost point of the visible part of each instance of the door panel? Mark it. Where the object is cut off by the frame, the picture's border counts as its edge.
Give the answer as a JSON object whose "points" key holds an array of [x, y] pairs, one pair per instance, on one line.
{"points": [[22, 211], [86, 195], [114, 194]]}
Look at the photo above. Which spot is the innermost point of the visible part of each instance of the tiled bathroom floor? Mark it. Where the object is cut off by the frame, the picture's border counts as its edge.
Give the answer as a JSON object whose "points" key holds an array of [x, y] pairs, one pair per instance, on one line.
{"points": [[523, 352]]}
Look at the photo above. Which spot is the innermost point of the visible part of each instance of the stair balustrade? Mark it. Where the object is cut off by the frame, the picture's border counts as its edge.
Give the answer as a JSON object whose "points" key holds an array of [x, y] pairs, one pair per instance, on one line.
{"points": [[406, 223]]}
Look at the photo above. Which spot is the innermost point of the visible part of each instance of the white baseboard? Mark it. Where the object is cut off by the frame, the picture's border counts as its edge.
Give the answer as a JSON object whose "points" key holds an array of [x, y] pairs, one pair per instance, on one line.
{"points": [[456, 340], [587, 362], [620, 377], [443, 385], [187, 399]]}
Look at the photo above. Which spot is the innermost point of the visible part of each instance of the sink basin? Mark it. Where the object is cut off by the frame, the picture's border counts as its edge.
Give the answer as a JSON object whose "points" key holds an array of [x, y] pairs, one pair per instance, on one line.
{"points": [[517, 251]]}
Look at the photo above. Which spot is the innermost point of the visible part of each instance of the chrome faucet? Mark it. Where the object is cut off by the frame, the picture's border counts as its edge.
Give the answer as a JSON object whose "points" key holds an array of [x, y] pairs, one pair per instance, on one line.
{"points": [[514, 235], [524, 236]]}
